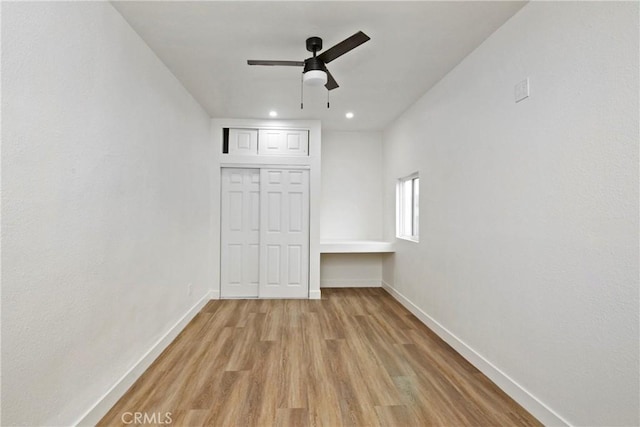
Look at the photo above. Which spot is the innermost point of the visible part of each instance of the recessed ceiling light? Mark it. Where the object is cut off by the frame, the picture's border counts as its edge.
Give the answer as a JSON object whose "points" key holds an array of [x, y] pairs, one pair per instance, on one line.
{"points": [[273, 113], [349, 115]]}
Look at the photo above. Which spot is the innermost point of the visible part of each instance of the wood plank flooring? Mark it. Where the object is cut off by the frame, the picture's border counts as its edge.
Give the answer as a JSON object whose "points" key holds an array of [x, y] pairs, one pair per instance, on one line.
{"points": [[354, 358]]}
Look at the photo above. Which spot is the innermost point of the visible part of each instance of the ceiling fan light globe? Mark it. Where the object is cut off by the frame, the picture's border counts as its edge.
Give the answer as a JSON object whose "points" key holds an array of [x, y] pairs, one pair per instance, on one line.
{"points": [[315, 78]]}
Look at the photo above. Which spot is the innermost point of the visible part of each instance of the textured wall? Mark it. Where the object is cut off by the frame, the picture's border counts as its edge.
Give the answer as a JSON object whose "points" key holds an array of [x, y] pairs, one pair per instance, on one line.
{"points": [[528, 246], [105, 206]]}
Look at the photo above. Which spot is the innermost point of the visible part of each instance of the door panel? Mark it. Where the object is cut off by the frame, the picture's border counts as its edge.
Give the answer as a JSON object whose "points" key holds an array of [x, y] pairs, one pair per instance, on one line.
{"points": [[296, 212], [284, 236], [274, 211], [294, 264], [240, 233], [273, 265], [283, 142], [243, 141]]}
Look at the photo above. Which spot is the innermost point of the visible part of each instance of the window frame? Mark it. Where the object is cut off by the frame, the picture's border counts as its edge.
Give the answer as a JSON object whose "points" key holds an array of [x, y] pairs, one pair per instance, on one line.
{"points": [[408, 207]]}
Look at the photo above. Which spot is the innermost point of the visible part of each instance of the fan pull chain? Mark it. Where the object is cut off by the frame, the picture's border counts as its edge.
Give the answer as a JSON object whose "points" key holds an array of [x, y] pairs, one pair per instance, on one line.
{"points": [[328, 92], [302, 91]]}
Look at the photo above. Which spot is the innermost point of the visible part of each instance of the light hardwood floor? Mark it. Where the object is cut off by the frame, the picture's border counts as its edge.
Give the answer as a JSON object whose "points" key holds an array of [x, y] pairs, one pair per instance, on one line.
{"points": [[356, 357]]}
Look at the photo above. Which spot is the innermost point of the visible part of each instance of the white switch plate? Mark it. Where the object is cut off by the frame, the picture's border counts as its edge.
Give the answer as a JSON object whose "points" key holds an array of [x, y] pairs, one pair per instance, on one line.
{"points": [[522, 90]]}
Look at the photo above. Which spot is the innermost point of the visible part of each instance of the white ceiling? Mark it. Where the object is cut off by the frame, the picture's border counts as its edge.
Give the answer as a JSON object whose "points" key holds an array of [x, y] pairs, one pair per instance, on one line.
{"points": [[413, 44]]}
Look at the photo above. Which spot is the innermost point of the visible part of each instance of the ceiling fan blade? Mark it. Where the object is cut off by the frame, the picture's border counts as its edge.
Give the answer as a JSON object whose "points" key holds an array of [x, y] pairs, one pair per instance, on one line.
{"points": [[343, 47], [331, 82], [286, 63]]}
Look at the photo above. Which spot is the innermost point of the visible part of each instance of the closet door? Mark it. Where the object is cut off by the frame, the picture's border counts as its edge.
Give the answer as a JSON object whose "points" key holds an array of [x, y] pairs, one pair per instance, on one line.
{"points": [[240, 233], [283, 142], [243, 142], [284, 233]]}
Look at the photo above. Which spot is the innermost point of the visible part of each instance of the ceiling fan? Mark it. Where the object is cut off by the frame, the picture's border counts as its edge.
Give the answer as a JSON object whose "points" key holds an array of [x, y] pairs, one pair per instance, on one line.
{"points": [[315, 72]]}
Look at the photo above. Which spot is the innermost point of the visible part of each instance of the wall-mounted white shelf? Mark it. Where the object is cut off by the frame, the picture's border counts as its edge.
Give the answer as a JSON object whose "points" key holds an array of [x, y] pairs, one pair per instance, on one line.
{"points": [[355, 246]]}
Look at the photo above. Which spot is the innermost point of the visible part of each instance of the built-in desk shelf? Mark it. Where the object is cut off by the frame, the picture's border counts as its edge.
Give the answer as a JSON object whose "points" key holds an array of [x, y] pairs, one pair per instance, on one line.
{"points": [[355, 246]]}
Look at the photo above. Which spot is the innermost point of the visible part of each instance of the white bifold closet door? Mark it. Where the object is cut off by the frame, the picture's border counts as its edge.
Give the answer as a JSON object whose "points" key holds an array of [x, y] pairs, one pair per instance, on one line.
{"points": [[265, 233]]}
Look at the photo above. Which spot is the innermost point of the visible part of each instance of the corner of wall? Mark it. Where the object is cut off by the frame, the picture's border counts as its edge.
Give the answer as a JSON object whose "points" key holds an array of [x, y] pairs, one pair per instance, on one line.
{"points": [[111, 397]]}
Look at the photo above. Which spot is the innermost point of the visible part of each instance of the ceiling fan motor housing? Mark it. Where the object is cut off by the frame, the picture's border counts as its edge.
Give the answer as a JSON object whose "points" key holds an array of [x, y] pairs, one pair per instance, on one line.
{"points": [[313, 63]]}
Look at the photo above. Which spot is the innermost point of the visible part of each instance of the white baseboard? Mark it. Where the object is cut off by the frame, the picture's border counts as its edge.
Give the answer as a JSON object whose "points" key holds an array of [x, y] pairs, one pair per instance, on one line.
{"points": [[214, 294], [542, 412], [314, 294], [106, 402], [351, 283]]}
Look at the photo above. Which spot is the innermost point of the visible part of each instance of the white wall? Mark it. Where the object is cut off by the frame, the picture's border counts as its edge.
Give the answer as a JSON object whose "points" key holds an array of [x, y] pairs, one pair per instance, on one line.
{"points": [[351, 205], [351, 270], [528, 248], [105, 199]]}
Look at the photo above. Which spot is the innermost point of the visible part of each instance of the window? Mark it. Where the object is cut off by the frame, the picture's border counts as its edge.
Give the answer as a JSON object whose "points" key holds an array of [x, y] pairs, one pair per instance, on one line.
{"points": [[408, 207]]}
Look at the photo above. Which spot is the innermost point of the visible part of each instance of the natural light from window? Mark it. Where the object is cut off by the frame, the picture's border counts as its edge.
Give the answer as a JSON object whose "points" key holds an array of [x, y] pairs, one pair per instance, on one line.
{"points": [[408, 207]]}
